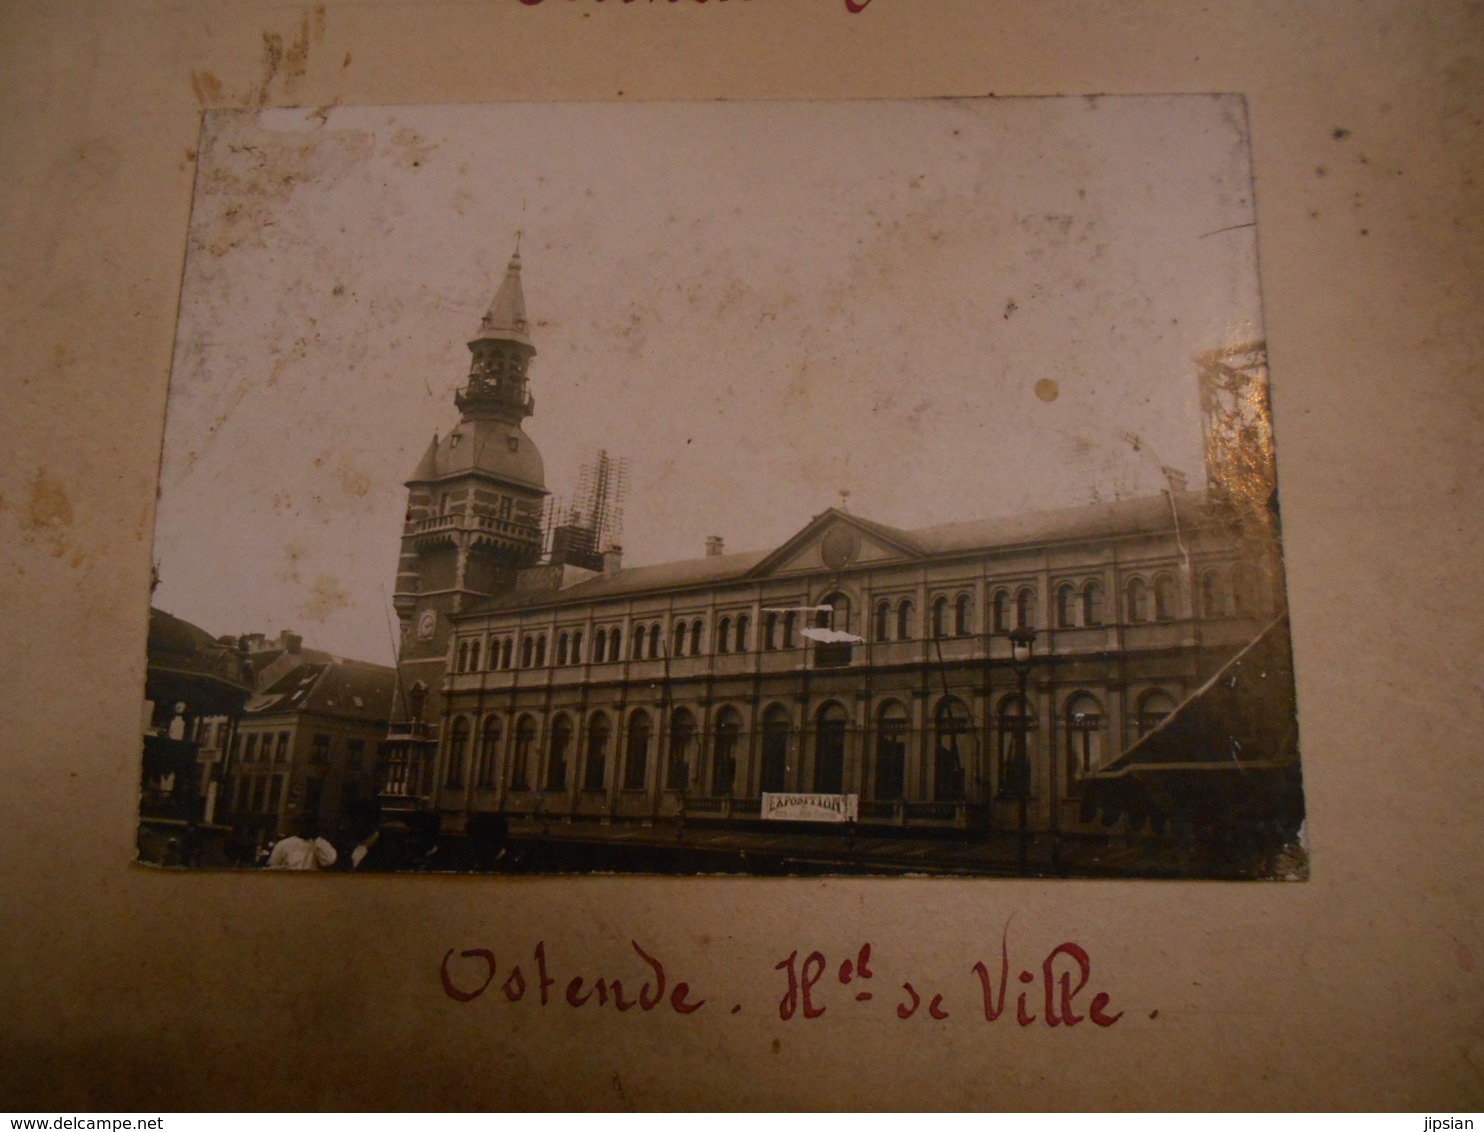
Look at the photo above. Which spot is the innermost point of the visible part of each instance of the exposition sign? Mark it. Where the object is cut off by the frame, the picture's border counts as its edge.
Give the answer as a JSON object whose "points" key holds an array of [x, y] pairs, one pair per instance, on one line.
{"points": [[809, 807]]}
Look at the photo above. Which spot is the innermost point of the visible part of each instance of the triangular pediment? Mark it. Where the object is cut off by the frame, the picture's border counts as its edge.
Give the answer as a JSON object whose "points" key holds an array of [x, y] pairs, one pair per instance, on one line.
{"points": [[837, 540]]}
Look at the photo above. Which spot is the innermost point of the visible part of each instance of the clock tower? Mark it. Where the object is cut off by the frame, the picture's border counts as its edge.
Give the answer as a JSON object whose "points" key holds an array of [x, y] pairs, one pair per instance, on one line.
{"points": [[474, 502]]}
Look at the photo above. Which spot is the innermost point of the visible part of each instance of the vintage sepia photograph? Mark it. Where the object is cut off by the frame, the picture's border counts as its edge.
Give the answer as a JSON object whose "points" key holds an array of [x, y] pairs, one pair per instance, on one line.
{"points": [[774, 488]]}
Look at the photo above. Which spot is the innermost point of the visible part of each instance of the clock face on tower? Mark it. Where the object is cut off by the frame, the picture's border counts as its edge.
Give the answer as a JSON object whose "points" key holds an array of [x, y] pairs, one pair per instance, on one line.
{"points": [[426, 624]]}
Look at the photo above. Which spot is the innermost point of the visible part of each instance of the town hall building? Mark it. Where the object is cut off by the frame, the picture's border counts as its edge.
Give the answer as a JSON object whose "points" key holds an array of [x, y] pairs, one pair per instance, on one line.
{"points": [[969, 677]]}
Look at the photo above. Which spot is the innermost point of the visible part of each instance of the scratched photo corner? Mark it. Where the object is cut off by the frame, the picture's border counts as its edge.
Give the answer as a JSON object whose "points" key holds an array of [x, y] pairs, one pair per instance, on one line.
{"points": [[817, 488]]}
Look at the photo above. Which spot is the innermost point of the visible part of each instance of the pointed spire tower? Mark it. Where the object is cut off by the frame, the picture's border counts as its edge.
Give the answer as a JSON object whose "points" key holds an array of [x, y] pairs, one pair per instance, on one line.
{"points": [[475, 500], [502, 352]]}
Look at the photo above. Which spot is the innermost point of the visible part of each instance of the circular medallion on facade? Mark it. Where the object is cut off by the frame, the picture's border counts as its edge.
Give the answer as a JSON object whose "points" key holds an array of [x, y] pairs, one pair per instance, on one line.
{"points": [[426, 624], [839, 548]]}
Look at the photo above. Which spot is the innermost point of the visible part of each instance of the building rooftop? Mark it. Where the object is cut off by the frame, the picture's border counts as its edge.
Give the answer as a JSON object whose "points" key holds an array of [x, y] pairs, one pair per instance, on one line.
{"points": [[1119, 518]]}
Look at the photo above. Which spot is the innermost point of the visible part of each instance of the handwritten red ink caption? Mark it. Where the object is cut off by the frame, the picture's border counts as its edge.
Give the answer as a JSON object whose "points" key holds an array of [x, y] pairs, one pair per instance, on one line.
{"points": [[803, 997], [854, 7]]}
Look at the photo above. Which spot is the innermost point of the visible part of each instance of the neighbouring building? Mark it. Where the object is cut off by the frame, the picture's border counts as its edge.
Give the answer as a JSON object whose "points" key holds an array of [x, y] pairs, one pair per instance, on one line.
{"points": [[310, 740]]}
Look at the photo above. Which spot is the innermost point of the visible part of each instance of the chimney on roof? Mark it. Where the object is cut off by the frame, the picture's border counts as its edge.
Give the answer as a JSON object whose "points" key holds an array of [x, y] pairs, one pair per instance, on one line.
{"points": [[714, 546], [612, 560], [291, 641]]}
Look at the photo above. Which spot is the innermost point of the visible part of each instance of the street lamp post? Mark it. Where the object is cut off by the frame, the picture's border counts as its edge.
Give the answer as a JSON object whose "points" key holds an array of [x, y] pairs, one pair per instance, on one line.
{"points": [[1022, 647]]}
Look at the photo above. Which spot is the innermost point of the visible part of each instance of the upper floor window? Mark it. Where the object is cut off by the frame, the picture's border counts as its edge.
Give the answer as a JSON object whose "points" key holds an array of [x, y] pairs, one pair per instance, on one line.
{"points": [[527, 652], [1244, 590], [1000, 612], [770, 631], [1066, 606], [678, 649], [541, 651], [883, 620], [1213, 595], [561, 650], [940, 617], [724, 635], [600, 645], [904, 620], [1164, 598], [696, 629], [963, 614], [615, 642], [1025, 617], [1136, 600], [742, 633], [577, 647], [1092, 603]]}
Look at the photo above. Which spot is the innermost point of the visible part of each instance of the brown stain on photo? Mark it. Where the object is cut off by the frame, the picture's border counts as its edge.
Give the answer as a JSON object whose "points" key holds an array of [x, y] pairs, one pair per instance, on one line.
{"points": [[206, 87], [48, 514]]}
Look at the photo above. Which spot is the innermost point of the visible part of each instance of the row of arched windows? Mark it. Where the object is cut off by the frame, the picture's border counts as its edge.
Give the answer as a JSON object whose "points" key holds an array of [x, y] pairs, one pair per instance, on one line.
{"points": [[1222, 593], [953, 748]]}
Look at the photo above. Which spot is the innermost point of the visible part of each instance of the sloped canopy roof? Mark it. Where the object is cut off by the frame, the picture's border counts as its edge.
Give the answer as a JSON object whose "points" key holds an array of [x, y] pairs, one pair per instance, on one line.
{"points": [[494, 447]]}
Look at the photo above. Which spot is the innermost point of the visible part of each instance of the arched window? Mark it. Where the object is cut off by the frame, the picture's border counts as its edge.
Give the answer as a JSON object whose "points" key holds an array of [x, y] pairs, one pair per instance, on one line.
{"points": [[682, 743], [790, 619], [677, 647], [527, 652], [770, 632], [963, 611], [838, 614], [462, 665], [724, 635], [950, 749], [1136, 600], [489, 753], [724, 752], [697, 628], [600, 646], [615, 643], [1084, 737], [636, 651], [1066, 606], [1092, 603], [557, 746], [654, 641], [596, 767], [829, 749], [636, 757], [1213, 595], [776, 729], [742, 633], [458, 747], [520, 760], [1000, 611], [506, 649], [940, 617], [883, 621], [904, 620], [474, 656], [1154, 707], [1025, 617], [541, 651], [561, 652], [1017, 747], [1244, 591], [891, 752], [1164, 598], [577, 647]]}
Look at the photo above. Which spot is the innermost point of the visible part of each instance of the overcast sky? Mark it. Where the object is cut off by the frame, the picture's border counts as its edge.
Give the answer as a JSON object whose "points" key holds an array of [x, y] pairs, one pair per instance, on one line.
{"points": [[760, 305]]}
